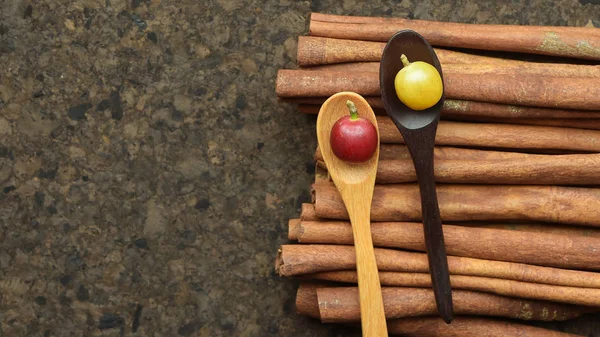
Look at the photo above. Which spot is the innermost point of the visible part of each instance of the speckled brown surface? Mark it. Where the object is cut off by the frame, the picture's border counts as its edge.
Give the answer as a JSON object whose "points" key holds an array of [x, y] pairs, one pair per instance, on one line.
{"points": [[147, 171]]}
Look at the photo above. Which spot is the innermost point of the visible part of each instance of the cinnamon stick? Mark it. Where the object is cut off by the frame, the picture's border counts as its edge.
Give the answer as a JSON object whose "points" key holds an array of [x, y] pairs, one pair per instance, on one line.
{"points": [[564, 230], [486, 109], [571, 169], [341, 305], [574, 42], [307, 303], [397, 152], [308, 212], [294, 229], [517, 69], [401, 202], [524, 68], [577, 123], [307, 83], [501, 136], [543, 249], [465, 326], [533, 291], [313, 51], [528, 90], [458, 108], [302, 259], [526, 171]]}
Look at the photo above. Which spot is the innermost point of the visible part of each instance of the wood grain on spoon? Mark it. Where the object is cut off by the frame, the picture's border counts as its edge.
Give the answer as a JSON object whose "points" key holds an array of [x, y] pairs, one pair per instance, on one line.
{"points": [[355, 184], [418, 129]]}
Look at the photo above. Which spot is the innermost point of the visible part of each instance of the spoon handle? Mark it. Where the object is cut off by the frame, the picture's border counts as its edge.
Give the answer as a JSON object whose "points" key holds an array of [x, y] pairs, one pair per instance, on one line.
{"points": [[372, 314], [432, 227]]}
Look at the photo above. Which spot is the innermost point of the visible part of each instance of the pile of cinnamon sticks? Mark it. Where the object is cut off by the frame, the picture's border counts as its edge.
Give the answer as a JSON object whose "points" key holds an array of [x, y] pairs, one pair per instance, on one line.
{"points": [[517, 166]]}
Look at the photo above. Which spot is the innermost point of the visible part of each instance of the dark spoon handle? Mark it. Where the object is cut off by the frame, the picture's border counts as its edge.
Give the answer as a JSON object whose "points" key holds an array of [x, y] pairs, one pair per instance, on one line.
{"points": [[422, 156]]}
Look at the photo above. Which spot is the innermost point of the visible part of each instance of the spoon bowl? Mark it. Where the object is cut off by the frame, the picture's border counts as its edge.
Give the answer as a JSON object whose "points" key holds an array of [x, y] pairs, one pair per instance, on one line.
{"points": [[416, 48], [335, 108], [356, 182], [418, 128]]}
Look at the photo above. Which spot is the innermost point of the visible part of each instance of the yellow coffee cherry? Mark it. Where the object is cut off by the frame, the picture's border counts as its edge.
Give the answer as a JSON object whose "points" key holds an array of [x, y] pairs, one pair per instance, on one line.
{"points": [[418, 84]]}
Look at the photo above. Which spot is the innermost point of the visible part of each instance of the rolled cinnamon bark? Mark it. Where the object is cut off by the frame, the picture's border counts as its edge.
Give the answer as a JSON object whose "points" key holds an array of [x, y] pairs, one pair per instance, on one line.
{"points": [[572, 169], [527, 90], [465, 326], [543, 249], [577, 123], [402, 202], [495, 172], [341, 305], [398, 152], [313, 51], [532, 291], [307, 303], [486, 109], [564, 230], [517, 69], [294, 228], [524, 68], [308, 213], [302, 259], [502, 136], [307, 83], [458, 108], [574, 42]]}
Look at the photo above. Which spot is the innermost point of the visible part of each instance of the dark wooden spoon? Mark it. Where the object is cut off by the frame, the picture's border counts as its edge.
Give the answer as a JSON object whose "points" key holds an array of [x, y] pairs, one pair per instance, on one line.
{"points": [[418, 129]]}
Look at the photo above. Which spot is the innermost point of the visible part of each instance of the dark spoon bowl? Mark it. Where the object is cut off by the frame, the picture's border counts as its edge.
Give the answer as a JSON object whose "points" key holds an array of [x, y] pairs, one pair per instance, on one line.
{"points": [[416, 48], [418, 128]]}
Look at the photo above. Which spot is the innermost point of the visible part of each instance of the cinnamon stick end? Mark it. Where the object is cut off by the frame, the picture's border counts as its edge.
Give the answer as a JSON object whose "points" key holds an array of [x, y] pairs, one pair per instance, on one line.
{"points": [[294, 228], [306, 300], [311, 51], [313, 193], [279, 261], [308, 212]]}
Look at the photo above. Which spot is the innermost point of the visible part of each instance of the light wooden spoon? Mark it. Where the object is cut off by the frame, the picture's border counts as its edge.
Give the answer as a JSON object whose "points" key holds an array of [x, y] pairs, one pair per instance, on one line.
{"points": [[356, 182]]}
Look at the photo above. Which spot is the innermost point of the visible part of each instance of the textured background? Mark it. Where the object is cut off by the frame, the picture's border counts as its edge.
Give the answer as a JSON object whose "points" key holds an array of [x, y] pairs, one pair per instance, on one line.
{"points": [[147, 171]]}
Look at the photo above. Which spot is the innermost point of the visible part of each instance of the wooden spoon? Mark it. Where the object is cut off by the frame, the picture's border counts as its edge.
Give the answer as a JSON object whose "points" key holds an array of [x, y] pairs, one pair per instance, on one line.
{"points": [[418, 128], [355, 183]]}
